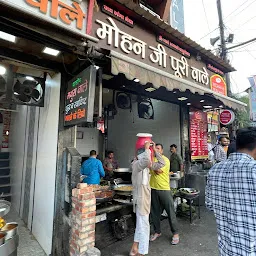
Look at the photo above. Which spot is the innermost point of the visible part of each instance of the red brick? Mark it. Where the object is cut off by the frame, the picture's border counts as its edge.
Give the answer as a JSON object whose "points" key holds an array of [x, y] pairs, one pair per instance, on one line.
{"points": [[82, 185], [74, 192], [86, 196], [83, 249], [86, 190], [91, 245]]}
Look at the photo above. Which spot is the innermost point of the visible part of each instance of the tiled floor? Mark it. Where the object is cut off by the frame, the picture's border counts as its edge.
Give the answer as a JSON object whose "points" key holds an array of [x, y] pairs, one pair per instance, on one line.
{"points": [[28, 246]]}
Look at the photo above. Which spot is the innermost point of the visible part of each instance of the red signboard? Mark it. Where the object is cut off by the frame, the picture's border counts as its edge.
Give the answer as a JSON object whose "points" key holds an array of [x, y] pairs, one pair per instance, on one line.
{"points": [[198, 134], [218, 84], [227, 117]]}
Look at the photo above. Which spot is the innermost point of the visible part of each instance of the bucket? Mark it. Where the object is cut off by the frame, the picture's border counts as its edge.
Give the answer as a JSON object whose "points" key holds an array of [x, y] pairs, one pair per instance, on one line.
{"points": [[140, 143]]}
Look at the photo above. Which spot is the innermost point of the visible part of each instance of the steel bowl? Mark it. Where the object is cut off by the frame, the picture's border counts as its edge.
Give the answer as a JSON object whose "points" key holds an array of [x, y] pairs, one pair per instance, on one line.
{"points": [[4, 207], [2, 237], [11, 230]]}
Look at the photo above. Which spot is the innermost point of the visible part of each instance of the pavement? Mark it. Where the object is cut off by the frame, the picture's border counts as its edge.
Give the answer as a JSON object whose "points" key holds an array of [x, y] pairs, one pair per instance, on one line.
{"points": [[28, 245], [196, 239]]}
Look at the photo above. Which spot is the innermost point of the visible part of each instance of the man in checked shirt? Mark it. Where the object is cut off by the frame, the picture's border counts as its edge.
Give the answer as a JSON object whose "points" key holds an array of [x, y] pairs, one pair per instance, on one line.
{"points": [[231, 194]]}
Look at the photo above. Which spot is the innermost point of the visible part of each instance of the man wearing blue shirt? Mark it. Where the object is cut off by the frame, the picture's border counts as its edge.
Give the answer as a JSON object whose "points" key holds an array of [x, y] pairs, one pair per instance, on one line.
{"points": [[92, 168]]}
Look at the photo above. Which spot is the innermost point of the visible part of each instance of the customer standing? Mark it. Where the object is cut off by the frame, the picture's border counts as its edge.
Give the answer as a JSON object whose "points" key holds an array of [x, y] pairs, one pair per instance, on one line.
{"points": [[162, 198], [92, 169], [142, 198], [219, 150], [175, 160], [231, 194]]}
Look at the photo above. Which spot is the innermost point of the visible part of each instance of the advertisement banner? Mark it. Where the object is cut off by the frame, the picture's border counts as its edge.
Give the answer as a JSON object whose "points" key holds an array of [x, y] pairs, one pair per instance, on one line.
{"points": [[198, 134], [177, 15], [252, 96]]}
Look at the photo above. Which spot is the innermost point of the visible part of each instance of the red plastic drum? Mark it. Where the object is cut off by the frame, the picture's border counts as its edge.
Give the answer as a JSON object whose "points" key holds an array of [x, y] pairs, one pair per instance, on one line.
{"points": [[140, 144]]}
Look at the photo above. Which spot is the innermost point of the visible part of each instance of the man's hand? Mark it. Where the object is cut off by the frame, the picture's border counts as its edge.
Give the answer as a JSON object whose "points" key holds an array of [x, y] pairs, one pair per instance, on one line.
{"points": [[158, 171], [154, 146], [147, 145]]}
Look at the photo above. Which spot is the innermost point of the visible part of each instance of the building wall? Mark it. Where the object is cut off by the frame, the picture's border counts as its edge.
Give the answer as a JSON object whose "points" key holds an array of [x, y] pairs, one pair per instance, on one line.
{"points": [[124, 127], [91, 141], [18, 154], [44, 183]]}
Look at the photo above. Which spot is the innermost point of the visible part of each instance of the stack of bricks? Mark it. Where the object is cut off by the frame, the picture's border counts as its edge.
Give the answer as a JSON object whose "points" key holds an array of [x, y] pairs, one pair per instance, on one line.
{"points": [[83, 220]]}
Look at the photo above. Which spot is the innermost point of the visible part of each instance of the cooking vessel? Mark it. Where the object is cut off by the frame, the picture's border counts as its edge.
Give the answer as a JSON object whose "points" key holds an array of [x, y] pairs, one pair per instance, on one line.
{"points": [[11, 230], [104, 196], [122, 170], [2, 237], [122, 192], [4, 207]]}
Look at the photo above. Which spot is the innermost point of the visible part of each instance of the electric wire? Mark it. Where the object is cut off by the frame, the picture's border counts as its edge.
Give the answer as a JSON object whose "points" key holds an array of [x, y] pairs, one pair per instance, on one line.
{"points": [[206, 15]]}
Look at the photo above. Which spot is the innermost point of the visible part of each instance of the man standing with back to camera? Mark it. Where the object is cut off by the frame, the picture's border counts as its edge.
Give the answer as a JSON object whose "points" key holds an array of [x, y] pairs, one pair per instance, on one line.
{"points": [[231, 194]]}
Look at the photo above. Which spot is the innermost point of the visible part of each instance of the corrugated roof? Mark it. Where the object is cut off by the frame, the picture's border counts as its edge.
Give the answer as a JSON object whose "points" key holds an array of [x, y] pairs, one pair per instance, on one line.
{"points": [[175, 33]]}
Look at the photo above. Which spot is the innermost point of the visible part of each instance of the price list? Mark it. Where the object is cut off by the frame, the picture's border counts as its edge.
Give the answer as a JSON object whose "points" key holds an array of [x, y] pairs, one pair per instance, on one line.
{"points": [[198, 134]]}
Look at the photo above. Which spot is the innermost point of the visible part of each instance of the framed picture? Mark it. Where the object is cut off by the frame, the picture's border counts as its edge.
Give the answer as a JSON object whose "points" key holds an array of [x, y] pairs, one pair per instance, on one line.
{"points": [[79, 135]]}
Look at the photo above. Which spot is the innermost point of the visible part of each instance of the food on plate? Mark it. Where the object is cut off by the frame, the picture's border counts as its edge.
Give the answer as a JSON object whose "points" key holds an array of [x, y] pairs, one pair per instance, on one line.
{"points": [[124, 188], [2, 222]]}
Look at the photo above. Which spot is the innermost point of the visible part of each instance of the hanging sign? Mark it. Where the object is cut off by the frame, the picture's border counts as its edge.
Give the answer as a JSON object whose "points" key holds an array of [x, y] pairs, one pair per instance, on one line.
{"points": [[227, 117], [218, 84], [79, 105], [198, 134]]}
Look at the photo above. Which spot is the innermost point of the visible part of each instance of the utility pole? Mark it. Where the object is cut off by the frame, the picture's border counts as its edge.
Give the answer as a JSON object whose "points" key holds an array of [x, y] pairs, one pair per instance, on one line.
{"points": [[223, 44]]}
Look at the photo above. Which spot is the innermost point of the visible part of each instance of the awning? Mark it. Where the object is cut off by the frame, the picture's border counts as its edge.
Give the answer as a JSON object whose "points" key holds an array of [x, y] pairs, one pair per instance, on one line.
{"points": [[132, 69]]}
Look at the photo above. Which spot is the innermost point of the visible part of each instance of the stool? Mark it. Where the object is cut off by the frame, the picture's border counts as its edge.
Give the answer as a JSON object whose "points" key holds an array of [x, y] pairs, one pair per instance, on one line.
{"points": [[190, 199]]}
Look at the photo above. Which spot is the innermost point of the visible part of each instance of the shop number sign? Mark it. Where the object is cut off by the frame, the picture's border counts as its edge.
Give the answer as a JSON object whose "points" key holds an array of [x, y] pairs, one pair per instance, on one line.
{"points": [[80, 95], [227, 117], [198, 134]]}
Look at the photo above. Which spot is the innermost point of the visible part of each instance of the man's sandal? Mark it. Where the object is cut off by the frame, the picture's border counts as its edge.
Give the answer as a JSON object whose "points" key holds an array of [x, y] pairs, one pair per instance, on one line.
{"points": [[175, 240], [154, 237]]}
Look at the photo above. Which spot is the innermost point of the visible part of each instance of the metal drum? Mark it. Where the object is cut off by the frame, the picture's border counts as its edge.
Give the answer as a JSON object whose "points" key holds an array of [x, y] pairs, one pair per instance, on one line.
{"points": [[198, 181]]}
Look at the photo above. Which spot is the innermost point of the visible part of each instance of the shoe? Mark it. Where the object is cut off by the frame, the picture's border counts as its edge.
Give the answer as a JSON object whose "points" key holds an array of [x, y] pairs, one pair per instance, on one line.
{"points": [[154, 237], [175, 240]]}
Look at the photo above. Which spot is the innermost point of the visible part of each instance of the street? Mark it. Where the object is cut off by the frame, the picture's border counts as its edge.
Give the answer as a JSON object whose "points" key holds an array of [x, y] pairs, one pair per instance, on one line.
{"points": [[197, 239]]}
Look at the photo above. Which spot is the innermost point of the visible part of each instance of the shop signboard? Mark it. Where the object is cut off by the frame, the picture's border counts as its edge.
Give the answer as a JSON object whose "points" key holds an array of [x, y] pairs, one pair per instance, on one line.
{"points": [[198, 134], [252, 96], [227, 117], [79, 105], [120, 33], [218, 84], [67, 13]]}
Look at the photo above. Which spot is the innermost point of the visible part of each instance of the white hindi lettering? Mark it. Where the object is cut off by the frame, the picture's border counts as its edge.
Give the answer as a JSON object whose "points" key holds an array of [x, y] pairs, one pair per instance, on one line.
{"points": [[200, 76], [126, 44], [180, 66], [158, 55]]}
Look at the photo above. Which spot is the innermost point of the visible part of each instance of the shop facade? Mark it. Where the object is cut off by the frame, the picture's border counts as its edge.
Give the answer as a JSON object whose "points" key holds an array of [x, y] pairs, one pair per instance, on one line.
{"points": [[131, 51], [40, 41]]}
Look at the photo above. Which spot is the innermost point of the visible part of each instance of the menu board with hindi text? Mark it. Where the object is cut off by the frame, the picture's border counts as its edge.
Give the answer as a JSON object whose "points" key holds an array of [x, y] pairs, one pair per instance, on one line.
{"points": [[79, 102], [198, 134]]}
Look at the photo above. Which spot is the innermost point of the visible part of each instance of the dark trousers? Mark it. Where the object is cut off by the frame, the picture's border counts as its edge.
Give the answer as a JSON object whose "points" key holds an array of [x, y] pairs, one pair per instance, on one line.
{"points": [[163, 200]]}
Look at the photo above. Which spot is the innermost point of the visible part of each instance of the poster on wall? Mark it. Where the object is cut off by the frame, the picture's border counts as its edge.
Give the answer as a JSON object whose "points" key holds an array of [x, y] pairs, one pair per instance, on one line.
{"points": [[79, 106], [213, 121], [198, 134]]}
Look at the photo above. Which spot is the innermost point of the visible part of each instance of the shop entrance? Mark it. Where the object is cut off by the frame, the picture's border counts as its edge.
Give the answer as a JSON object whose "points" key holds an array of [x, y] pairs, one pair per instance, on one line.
{"points": [[30, 109]]}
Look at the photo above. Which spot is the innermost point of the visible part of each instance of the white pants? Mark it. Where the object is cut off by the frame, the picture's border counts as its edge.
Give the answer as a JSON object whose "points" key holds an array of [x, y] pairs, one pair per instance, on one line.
{"points": [[142, 232]]}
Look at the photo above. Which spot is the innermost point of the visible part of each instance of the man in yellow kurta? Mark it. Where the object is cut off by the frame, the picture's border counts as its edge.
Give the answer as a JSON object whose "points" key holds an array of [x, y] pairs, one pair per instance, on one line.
{"points": [[161, 198]]}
